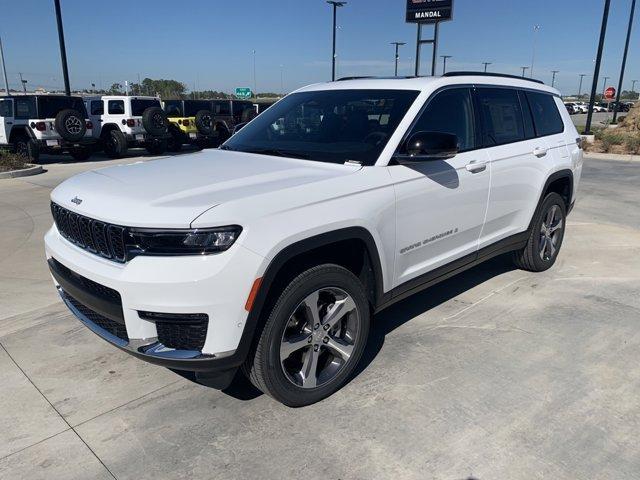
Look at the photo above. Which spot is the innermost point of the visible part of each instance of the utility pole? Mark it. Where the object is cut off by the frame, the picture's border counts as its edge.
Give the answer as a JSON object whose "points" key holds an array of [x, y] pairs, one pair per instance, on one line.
{"points": [[596, 73], [281, 79], [398, 45], [444, 65], [582, 75], [624, 62], [63, 49], [486, 64], [633, 85], [255, 85], [4, 69], [336, 5], [524, 70], [604, 86], [24, 83], [536, 29], [553, 79]]}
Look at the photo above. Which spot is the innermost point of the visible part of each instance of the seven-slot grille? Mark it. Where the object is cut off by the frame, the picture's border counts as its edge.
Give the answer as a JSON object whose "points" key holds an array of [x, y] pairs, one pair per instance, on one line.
{"points": [[92, 235]]}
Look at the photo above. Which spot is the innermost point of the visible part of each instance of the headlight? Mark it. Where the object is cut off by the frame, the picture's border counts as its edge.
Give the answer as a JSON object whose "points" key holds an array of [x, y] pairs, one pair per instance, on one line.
{"points": [[199, 241]]}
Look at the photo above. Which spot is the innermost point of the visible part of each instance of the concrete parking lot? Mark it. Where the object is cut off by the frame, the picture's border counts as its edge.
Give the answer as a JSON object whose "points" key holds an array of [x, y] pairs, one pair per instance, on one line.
{"points": [[494, 374]]}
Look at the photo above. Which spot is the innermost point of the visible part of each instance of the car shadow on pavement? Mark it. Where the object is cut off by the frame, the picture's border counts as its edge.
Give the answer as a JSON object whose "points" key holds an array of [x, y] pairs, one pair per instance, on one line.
{"points": [[393, 317]]}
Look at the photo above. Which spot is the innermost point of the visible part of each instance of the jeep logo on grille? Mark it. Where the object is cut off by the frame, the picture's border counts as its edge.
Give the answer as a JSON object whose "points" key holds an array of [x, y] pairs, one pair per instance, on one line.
{"points": [[76, 200]]}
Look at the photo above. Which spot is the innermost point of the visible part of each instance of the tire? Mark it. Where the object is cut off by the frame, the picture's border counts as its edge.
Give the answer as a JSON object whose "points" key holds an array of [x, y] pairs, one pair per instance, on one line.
{"points": [[157, 148], [70, 125], [532, 257], [23, 145], [115, 144], [154, 121], [204, 122], [277, 375], [80, 154], [174, 144]]}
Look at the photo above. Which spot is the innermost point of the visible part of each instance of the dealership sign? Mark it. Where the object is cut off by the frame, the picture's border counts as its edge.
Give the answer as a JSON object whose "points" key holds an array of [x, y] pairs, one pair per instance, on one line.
{"points": [[429, 11]]}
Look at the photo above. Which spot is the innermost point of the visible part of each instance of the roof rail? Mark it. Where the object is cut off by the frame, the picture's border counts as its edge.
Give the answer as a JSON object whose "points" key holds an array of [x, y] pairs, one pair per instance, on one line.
{"points": [[372, 78], [487, 74]]}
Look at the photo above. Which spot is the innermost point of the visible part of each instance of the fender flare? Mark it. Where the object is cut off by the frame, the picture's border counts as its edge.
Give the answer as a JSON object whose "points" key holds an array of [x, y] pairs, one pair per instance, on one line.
{"points": [[564, 173]]}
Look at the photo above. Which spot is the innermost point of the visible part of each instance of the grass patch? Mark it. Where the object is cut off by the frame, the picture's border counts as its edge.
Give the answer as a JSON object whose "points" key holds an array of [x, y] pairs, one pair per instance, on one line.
{"points": [[616, 141], [12, 161]]}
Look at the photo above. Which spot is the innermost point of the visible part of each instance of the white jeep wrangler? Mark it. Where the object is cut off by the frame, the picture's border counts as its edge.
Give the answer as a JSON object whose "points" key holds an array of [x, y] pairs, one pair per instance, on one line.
{"points": [[123, 122], [54, 124], [272, 253]]}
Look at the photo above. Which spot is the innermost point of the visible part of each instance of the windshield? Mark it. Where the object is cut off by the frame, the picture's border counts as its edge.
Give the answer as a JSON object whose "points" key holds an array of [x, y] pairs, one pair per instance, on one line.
{"points": [[192, 107], [138, 106], [49, 107], [327, 126]]}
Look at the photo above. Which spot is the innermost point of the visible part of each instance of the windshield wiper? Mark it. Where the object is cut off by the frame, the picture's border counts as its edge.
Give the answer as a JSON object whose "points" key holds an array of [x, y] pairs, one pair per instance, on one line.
{"points": [[279, 153]]}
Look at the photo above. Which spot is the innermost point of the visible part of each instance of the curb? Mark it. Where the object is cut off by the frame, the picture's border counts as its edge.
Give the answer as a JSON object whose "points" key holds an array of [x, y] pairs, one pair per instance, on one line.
{"points": [[25, 172], [612, 156]]}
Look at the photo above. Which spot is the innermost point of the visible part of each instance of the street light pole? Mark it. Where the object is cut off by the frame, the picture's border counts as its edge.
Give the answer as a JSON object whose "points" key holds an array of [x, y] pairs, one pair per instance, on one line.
{"points": [[486, 64], [524, 69], [336, 5], [444, 65], [624, 62], [604, 86], [281, 79], [536, 29], [633, 85], [398, 45], [255, 86], [553, 79], [63, 49], [4, 69], [23, 82], [596, 73], [582, 75]]}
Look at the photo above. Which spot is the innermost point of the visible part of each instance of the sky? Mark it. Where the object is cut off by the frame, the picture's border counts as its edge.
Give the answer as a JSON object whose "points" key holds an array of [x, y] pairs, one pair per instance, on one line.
{"points": [[210, 44]]}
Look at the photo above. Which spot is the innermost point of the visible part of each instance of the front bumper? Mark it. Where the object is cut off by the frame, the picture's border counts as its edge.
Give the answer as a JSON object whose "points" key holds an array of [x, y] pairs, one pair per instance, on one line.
{"points": [[215, 285]]}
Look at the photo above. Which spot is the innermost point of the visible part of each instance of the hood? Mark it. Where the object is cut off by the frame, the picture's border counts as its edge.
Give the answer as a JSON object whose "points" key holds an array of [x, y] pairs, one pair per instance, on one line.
{"points": [[172, 192]]}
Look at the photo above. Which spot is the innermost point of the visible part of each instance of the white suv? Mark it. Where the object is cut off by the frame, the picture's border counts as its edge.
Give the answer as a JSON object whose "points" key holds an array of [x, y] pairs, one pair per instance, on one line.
{"points": [[273, 252], [54, 124], [123, 122]]}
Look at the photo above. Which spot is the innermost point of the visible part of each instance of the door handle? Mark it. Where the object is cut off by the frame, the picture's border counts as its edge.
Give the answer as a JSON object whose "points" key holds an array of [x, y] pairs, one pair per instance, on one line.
{"points": [[540, 152], [9, 123], [476, 167]]}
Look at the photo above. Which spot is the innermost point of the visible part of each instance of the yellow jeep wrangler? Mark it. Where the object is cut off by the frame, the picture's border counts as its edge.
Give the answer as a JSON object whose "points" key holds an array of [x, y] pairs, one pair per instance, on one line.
{"points": [[190, 123]]}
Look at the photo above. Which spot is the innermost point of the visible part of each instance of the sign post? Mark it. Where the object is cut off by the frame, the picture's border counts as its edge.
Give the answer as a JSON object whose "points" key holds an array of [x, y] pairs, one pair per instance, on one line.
{"points": [[428, 12], [243, 92]]}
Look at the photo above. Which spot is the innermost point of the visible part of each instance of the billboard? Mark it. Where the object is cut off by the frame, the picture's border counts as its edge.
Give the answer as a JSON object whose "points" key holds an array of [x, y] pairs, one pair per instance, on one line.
{"points": [[429, 11]]}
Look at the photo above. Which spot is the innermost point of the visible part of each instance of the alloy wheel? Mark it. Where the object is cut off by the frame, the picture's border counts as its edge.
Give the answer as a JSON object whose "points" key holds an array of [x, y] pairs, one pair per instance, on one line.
{"points": [[550, 233], [319, 337]]}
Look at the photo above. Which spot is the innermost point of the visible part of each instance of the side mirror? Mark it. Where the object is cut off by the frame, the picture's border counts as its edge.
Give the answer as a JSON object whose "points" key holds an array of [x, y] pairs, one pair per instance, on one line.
{"points": [[425, 146]]}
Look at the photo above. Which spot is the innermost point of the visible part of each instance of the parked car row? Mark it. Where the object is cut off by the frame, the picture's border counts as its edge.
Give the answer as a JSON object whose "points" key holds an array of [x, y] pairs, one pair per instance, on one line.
{"points": [[56, 124], [580, 107]]}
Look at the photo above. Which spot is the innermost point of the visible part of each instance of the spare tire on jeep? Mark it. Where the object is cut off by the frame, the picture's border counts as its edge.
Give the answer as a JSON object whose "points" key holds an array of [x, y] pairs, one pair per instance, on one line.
{"points": [[70, 124], [155, 121], [204, 122]]}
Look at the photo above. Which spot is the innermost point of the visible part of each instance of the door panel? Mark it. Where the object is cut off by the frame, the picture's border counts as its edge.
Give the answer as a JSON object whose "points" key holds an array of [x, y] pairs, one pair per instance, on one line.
{"points": [[6, 120], [441, 204]]}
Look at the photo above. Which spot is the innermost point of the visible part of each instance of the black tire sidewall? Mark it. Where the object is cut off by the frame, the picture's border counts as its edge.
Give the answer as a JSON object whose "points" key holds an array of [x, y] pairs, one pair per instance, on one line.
{"points": [[203, 127], [61, 126], [549, 201], [279, 386], [115, 144], [150, 125]]}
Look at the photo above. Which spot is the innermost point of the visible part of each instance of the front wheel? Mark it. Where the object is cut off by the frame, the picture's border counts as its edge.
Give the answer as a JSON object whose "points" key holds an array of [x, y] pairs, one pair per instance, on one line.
{"points": [[546, 236], [313, 338]]}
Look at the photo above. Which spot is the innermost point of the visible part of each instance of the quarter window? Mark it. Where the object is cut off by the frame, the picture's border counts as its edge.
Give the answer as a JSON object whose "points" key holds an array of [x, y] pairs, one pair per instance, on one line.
{"points": [[97, 107], [116, 107], [6, 109], [546, 117], [25, 108], [451, 111], [501, 116]]}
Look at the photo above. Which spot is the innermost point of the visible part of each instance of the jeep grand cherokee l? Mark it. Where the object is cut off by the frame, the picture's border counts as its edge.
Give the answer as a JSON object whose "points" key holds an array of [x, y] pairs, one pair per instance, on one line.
{"points": [[271, 254]]}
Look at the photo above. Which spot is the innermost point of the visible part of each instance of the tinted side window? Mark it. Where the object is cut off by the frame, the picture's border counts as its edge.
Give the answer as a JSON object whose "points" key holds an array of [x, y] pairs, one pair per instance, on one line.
{"points": [[222, 108], [97, 107], [6, 108], [451, 111], [116, 107], [546, 117], [25, 108], [529, 130], [501, 116]]}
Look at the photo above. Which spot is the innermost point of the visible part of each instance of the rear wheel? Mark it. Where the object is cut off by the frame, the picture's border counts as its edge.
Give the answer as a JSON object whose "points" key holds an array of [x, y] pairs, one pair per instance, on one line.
{"points": [[546, 236], [313, 338], [80, 153], [115, 144], [174, 144], [28, 148]]}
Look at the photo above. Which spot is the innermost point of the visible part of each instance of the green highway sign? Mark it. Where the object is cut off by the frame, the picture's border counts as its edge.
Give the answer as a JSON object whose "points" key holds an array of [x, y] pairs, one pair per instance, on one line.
{"points": [[243, 92]]}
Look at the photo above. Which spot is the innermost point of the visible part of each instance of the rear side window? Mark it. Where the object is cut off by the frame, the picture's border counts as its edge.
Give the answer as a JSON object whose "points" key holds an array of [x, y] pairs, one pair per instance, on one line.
{"points": [[501, 116], [25, 108], [222, 108], [6, 109], [97, 107], [50, 106], [451, 111], [138, 106], [546, 116], [115, 107]]}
